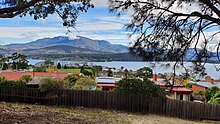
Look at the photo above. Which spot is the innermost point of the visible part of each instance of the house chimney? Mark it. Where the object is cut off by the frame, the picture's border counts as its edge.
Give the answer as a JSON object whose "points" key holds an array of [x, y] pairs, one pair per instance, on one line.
{"points": [[210, 80], [154, 77]]}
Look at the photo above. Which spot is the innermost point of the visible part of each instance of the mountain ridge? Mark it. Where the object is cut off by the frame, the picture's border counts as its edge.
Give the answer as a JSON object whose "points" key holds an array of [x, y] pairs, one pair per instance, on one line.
{"points": [[80, 42]]}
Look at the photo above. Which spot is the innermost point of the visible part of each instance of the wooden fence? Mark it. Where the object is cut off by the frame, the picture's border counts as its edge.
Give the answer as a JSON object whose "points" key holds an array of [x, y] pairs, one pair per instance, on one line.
{"points": [[111, 100]]}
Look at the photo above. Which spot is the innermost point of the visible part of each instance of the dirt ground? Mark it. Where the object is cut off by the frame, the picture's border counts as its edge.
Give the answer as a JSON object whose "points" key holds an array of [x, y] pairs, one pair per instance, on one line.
{"points": [[17, 113]]}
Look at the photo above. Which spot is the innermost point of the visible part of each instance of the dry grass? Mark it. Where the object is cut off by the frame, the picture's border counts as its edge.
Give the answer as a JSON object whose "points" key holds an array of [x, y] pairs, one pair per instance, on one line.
{"points": [[16, 113]]}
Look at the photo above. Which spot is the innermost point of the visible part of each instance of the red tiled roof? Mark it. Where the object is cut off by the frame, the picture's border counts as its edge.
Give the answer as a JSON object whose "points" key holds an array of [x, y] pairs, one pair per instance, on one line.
{"points": [[181, 90], [17, 75]]}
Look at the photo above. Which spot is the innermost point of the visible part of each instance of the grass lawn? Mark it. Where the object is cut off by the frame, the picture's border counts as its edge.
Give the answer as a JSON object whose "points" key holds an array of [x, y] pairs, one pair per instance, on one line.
{"points": [[72, 70], [17, 113]]}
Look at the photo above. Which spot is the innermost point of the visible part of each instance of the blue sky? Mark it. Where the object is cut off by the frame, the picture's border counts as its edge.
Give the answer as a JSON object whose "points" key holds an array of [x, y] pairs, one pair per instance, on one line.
{"points": [[97, 23]]}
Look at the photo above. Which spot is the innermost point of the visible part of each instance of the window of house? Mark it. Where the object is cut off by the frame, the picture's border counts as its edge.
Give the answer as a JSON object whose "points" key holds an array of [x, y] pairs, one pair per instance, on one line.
{"points": [[181, 97]]}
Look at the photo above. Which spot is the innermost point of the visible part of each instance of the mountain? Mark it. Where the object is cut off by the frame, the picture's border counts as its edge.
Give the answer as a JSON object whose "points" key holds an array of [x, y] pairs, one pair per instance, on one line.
{"points": [[79, 42], [61, 49]]}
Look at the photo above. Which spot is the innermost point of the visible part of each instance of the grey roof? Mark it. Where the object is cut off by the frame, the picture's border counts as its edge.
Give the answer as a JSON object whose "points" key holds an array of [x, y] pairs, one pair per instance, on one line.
{"points": [[207, 84], [110, 80]]}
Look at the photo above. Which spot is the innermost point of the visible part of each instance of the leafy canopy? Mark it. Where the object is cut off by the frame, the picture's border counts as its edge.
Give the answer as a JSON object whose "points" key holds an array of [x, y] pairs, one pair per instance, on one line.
{"points": [[67, 10], [167, 29], [138, 87]]}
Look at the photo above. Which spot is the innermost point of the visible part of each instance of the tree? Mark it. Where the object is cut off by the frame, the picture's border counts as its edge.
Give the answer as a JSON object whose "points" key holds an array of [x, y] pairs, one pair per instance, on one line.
{"points": [[65, 67], [167, 29], [71, 79], [66, 10], [5, 66], [210, 92], [85, 83], [110, 73], [86, 73], [58, 66], [26, 78], [215, 99], [138, 87], [97, 69], [145, 72], [51, 85]]}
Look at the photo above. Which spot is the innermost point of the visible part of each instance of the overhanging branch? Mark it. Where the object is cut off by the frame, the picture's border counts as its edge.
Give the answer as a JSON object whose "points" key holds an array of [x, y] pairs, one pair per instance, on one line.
{"points": [[5, 11]]}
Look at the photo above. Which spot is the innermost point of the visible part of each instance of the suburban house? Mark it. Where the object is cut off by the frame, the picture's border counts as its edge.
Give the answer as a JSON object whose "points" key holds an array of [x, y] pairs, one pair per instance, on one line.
{"points": [[107, 83], [177, 91], [11, 75], [203, 85]]}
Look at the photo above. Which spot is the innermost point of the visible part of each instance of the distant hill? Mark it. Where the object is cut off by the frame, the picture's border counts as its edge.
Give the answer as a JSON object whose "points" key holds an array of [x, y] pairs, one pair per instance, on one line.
{"points": [[61, 49], [65, 45]]}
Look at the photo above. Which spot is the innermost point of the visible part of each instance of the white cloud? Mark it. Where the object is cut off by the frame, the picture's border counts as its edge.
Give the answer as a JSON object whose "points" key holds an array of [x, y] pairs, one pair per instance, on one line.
{"points": [[99, 27], [27, 32], [100, 3]]}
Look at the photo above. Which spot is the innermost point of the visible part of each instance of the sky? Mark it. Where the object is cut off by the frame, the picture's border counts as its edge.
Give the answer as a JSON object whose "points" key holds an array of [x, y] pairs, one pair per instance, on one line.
{"points": [[97, 23]]}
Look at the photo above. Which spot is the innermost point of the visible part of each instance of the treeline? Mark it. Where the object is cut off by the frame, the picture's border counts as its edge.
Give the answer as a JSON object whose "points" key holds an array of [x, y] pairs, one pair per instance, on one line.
{"points": [[14, 61], [88, 57]]}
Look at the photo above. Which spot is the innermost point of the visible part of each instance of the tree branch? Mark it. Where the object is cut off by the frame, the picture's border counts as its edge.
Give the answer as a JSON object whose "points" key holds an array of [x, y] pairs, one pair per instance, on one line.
{"points": [[18, 7]]}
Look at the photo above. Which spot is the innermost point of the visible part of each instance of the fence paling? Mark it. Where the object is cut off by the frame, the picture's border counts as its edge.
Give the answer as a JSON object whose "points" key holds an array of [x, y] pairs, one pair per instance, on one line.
{"points": [[111, 100]]}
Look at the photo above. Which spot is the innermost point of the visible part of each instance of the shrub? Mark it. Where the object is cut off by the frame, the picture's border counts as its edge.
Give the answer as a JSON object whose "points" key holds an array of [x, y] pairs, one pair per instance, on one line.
{"points": [[215, 99], [138, 87], [58, 66], [26, 78], [210, 92], [71, 79], [51, 85], [85, 83], [40, 69], [7, 83], [145, 72], [86, 73], [199, 95]]}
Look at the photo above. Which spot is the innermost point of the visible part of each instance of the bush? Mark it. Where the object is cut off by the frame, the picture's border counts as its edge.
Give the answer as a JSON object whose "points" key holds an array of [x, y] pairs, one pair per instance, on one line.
{"points": [[26, 78], [40, 69], [52, 85], [71, 79], [199, 95], [85, 83], [6, 83], [58, 66], [138, 87], [145, 72], [86, 73], [215, 99], [210, 92]]}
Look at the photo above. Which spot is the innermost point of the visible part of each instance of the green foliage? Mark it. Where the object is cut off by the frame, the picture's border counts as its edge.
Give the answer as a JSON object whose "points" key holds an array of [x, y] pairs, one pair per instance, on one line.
{"points": [[7, 83], [48, 63], [188, 85], [65, 67], [85, 83], [58, 66], [138, 87], [199, 95], [5, 66], [97, 70], [52, 84], [210, 92], [86, 72], [40, 69], [110, 73], [215, 99], [145, 72], [71, 79], [26, 78]]}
